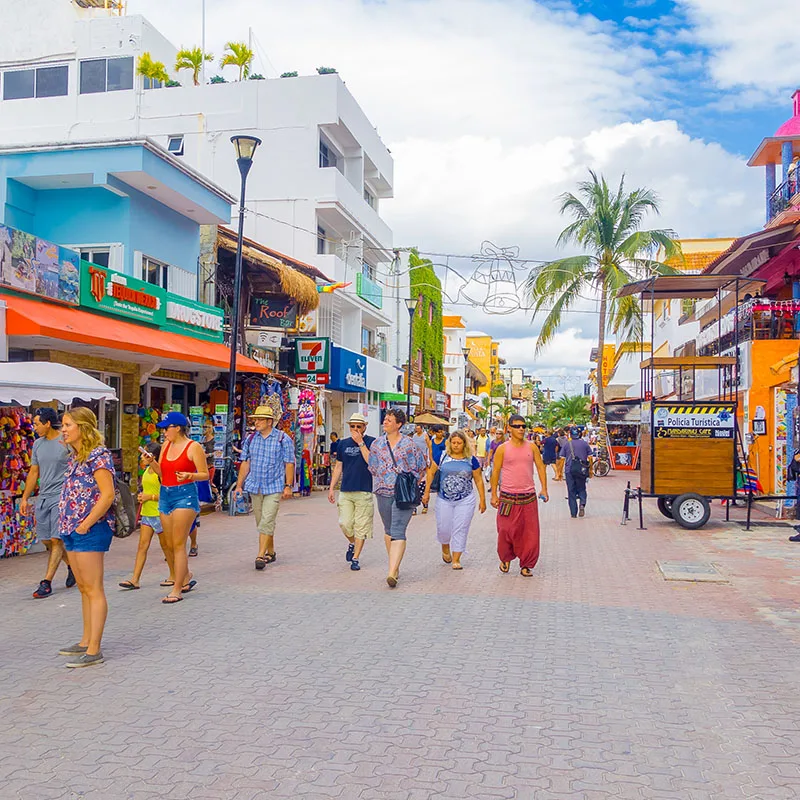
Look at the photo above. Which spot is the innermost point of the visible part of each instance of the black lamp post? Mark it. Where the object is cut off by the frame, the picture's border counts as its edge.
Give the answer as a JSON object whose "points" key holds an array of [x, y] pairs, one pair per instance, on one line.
{"points": [[465, 353], [491, 395], [411, 305], [245, 149]]}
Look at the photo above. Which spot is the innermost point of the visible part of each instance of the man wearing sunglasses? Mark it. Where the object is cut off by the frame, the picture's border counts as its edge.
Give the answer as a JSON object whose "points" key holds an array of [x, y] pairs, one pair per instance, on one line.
{"points": [[356, 507], [514, 496]]}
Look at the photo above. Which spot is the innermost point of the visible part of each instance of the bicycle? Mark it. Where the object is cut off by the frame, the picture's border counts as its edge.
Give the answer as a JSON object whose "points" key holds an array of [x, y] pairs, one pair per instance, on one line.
{"points": [[601, 465]]}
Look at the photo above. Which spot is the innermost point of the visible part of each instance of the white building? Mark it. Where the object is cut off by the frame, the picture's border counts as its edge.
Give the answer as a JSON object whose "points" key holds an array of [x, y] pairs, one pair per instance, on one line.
{"points": [[317, 183]]}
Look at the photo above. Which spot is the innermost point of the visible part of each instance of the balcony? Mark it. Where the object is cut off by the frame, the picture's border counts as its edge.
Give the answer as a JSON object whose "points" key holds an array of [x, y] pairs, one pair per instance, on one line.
{"points": [[368, 290], [757, 319], [784, 204]]}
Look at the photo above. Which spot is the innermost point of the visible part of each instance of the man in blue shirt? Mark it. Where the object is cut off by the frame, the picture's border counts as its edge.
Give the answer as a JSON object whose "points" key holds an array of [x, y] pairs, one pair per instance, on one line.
{"points": [[267, 473], [356, 508]]}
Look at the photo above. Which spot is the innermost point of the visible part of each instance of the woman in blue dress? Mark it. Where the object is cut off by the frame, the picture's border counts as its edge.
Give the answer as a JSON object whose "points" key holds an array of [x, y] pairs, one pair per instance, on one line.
{"points": [[459, 478]]}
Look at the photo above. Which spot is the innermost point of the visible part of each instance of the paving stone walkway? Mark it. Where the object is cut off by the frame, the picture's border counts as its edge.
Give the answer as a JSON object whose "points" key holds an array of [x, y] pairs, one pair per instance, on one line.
{"points": [[594, 679]]}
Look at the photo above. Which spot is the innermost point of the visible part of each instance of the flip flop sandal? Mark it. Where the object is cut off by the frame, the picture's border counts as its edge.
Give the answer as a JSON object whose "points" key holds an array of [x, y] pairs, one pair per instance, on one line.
{"points": [[447, 560], [505, 566], [128, 585], [261, 562], [192, 551], [189, 586], [270, 557], [457, 566], [170, 600], [392, 581], [526, 572], [167, 583]]}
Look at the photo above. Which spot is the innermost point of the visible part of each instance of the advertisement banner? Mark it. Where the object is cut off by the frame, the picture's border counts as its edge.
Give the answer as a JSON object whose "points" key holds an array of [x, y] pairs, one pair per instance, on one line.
{"points": [[103, 289], [273, 311], [36, 266], [348, 370], [707, 421], [312, 356], [193, 319]]}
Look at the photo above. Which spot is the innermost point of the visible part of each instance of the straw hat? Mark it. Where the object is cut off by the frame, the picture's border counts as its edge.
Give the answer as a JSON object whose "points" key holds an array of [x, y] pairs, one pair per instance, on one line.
{"points": [[357, 418], [263, 412]]}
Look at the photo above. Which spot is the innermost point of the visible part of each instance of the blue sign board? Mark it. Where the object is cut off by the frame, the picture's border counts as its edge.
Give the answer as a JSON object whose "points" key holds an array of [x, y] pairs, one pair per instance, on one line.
{"points": [[348, 370]]}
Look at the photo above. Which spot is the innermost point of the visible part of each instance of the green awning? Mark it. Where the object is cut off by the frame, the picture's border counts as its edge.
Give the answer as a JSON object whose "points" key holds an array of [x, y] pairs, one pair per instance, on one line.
{"points": [[393, 397]]}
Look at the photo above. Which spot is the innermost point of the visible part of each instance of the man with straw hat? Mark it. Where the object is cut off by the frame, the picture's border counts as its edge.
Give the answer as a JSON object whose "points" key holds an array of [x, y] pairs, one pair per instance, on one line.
{"points": [[356, 507], [267, 474]]}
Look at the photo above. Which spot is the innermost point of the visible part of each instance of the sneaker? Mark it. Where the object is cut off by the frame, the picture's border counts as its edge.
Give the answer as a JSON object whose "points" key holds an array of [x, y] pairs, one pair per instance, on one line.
{"points": [[44, 590], [349, 554], [70, 578], [73, 650], [582, 511], [354, 565], [85, 661], [795, 538]]}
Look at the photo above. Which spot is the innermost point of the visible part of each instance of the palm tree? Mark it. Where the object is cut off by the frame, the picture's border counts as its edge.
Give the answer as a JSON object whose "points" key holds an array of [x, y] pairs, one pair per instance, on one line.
{"points": [[150, 69], [193, 59], [606, 225], [573, 409], [238, 55]]}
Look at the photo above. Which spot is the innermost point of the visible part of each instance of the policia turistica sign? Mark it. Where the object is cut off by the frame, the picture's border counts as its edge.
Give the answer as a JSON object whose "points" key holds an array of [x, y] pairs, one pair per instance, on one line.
{"points": [[710, 421]]}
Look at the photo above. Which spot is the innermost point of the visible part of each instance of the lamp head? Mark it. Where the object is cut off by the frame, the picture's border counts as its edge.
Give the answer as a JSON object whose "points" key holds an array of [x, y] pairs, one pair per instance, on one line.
{"points": [[411, 305], [245, 150]]}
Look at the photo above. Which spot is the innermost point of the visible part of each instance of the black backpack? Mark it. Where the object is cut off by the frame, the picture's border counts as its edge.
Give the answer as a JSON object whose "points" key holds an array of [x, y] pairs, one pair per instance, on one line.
{"points": [[124, 510], [578, 468]]}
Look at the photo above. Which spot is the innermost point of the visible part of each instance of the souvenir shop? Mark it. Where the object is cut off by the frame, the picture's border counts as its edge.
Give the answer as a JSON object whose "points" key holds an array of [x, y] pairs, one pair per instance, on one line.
{"points": [[623, 422], [24, 387]]}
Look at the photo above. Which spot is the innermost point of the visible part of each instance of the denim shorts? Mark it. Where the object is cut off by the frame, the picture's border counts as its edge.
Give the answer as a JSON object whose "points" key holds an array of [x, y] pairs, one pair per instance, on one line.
{"points": [[97, 540], [177, 497], [152, 522]]}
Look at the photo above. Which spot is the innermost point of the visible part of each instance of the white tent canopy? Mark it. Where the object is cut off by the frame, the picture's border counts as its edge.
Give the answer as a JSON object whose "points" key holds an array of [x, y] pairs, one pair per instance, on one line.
{"points": [[26, 382]]}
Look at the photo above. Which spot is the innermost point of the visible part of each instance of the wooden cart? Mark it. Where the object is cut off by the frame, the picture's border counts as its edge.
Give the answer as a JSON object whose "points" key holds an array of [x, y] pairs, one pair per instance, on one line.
{"points": [[689, 433]]}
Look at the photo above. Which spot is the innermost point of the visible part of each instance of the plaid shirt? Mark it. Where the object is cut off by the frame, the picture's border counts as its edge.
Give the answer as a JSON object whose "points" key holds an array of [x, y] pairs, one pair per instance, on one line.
{"points": [[268, 456]]}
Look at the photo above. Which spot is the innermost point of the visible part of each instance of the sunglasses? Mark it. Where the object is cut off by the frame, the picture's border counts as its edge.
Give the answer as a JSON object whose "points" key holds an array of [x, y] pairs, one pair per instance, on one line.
{"points": [[357, 426], [516, 425]]}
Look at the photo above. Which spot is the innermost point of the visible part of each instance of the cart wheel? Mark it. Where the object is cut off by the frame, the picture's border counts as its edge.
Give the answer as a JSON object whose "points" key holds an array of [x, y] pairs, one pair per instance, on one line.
{"points": [[665, 506], [691, 510], [601, 468]]}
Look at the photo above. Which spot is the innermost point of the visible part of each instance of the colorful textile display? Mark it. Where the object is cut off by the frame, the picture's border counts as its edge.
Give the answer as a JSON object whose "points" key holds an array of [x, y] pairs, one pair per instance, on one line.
{"points": [[305, 412], [17, 532]]}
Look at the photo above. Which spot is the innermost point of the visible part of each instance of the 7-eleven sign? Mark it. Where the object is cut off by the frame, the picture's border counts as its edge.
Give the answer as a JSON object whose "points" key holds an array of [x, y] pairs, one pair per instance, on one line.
{"points": [[312, 356]]}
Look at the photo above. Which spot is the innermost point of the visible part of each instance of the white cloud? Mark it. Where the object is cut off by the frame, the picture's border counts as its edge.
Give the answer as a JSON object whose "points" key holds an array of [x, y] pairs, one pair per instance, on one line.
{"points": [[752, 44], [492, 108]]}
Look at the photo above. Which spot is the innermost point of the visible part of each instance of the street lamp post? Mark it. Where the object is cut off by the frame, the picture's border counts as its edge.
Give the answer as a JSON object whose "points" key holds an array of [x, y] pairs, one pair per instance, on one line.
{"points": [[465, 353], [491, 394], [411, 305], [245, 149]]}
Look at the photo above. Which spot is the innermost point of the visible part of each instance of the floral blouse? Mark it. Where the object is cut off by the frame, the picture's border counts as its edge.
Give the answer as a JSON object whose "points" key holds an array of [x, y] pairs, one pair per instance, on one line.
{"points": [[384, 475], [80, 494]]}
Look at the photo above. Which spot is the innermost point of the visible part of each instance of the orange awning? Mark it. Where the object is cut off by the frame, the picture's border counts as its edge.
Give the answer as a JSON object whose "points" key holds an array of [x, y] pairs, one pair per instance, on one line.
{"points": [[33, 318]]}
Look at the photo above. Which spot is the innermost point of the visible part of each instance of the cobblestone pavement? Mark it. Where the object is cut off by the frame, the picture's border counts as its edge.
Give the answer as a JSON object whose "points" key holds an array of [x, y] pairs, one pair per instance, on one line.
{"points": [[594, 679]]}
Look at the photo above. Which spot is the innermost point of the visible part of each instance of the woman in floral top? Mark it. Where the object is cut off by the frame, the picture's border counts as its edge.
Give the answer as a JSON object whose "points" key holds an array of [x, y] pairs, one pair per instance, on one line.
{"points": [[409, 458], [86, 521]]}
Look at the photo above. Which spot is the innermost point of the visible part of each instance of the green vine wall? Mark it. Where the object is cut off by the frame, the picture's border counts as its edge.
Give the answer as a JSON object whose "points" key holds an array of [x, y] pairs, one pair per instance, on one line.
{"points": [[426, 336]]}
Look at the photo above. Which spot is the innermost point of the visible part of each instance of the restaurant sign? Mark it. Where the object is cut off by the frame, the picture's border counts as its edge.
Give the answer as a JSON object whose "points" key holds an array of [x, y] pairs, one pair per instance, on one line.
{"points": [[273, 311], [105, 290]]}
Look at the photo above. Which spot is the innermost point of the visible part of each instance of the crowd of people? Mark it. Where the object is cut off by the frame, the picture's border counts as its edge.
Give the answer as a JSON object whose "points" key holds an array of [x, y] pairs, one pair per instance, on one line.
{"points": [[397, 472]]}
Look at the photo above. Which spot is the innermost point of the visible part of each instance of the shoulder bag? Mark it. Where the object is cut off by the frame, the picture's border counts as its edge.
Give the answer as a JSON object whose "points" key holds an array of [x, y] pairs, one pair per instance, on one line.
{"points": [[406, 486], [578, 468]]}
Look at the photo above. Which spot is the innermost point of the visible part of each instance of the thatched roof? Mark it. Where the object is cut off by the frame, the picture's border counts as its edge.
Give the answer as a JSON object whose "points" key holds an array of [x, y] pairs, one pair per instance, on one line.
{"points": [[295, 278]]}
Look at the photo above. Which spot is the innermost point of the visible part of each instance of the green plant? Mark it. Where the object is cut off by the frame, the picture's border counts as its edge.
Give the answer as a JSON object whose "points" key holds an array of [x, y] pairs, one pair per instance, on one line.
{"points": [[326, 71], [238, 55], [606, 225], [288, 74], [427, 336], [256, 76], [150, 69], [571, 410], [171, 83], [217, 79], [192, 59]]}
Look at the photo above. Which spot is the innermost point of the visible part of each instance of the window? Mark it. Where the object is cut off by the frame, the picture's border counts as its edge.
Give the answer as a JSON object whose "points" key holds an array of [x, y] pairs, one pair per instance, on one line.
{"points": [[152, 83], [368, 271], [430, 312], [322, 241], [97, 255], [175, 145], [108, 412], [369, 197], [367, 342], [328, 155], [419, 360], [106, 75], [154, 272], [40, 82], [687, 306], [419, 306]]}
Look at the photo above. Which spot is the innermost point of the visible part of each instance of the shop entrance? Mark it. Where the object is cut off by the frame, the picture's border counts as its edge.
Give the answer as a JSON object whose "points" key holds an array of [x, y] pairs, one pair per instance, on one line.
{"points": [[166, 393], [108, 412]]}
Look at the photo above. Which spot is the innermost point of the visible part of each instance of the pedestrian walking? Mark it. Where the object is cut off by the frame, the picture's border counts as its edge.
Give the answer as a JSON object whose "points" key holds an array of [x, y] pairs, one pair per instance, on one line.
{"points": [[423, 442], [49, 460], [267, 473], [577, 470], [481, 446], [561, 456], [438, 445], [389, 455], [356, 506], [515, 498], [181, 463], [550, 451], [457, 469], [149, 520], [86, 525]]}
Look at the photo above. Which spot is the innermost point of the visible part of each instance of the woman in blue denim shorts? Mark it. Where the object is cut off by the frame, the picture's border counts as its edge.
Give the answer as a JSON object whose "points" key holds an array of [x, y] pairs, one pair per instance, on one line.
{"points": [[182, 462], [86, 521]]}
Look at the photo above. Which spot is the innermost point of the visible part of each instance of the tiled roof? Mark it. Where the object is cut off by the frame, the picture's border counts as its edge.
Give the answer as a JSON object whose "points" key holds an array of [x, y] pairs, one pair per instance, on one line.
{"points": [[693, 262], [452, 321]]}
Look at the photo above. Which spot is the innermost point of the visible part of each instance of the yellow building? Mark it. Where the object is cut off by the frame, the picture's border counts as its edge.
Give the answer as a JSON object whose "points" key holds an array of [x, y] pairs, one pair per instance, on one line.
{"points": [[484, 354]]}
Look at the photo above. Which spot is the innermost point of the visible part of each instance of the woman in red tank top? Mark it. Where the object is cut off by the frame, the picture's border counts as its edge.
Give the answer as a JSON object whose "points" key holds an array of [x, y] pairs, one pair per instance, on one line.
{"points": [[182, 462]]}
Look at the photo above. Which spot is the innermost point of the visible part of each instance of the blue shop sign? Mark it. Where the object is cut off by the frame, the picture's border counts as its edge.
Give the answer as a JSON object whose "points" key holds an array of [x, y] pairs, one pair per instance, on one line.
{"points": [[348, 370]]}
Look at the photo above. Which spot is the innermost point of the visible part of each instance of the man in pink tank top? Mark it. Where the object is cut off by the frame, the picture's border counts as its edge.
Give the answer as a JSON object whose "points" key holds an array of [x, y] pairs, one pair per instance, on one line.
{"points": [[515, 498]]}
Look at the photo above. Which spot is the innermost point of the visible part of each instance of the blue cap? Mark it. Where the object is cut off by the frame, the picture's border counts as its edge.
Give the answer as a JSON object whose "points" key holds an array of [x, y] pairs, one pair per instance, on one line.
{"points": [[173, 418]]}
